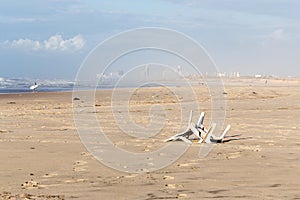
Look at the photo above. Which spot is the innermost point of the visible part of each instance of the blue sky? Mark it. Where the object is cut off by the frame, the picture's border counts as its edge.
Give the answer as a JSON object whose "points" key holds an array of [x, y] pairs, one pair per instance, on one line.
{"points": [[50, 38]]}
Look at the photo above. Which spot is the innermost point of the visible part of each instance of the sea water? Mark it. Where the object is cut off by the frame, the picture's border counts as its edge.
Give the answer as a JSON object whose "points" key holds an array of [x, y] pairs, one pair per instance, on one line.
{"points": [[22, 85]]}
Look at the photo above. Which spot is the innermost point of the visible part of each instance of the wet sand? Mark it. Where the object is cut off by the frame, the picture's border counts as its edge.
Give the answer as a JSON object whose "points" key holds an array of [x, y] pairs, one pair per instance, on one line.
{"points": [[42, 156]]}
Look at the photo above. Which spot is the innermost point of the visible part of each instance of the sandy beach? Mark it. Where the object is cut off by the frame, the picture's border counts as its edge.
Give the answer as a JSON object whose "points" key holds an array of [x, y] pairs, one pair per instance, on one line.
{"points": [[42, 156]]}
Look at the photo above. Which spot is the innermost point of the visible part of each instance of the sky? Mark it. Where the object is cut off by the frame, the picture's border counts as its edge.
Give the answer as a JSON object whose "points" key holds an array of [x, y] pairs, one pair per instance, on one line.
{"points": [[51, 38]]}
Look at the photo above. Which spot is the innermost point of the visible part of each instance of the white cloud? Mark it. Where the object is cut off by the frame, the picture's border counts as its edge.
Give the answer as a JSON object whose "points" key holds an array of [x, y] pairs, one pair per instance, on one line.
{"points": [[54, 43], [278, 34], [26, 43], [21, 20]]}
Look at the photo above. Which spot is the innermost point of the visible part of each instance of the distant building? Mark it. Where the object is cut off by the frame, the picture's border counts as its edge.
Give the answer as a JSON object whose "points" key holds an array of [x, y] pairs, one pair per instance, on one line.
{"points": [[233, 75], [178, 70], [221, 74], [236, 74]]}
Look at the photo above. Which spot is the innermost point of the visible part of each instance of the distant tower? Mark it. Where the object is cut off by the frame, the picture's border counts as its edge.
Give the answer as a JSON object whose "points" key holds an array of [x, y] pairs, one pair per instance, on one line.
{"points": [[179, 70], [164, 75], [99, 76], [147, 72]]}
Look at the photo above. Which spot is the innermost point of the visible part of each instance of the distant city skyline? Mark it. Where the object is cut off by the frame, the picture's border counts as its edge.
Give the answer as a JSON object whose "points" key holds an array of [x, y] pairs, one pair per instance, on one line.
{"points": [[50, 39]]}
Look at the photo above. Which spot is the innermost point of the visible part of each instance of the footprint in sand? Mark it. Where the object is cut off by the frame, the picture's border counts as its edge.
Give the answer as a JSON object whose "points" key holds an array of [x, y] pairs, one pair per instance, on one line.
{"points": [[30, 185], [233, 155], [181, 196], [9, 195], [79, 166], [186, 164], [131, 176], [183, 165], [173, 186], [85, 154], [168, 178], [81, 180], [5, 131], [251, 148], [50, 175]]}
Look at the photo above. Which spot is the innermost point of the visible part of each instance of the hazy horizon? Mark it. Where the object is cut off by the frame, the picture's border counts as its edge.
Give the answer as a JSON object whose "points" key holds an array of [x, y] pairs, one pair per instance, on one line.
{"points": [[50, 39]]}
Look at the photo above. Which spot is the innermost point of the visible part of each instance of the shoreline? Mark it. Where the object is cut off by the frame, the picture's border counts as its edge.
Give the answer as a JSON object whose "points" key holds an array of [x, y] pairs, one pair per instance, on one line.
{"points": [[241, 81]]}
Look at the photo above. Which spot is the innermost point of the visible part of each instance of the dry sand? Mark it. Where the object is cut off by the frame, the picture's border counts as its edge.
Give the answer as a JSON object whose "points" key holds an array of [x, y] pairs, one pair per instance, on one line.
{"points": [[42, 156]]}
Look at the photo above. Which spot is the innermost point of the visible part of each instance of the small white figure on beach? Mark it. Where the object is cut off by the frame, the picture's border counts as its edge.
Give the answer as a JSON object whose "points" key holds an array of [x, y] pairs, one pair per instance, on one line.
{"points": [[34, 87]]}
